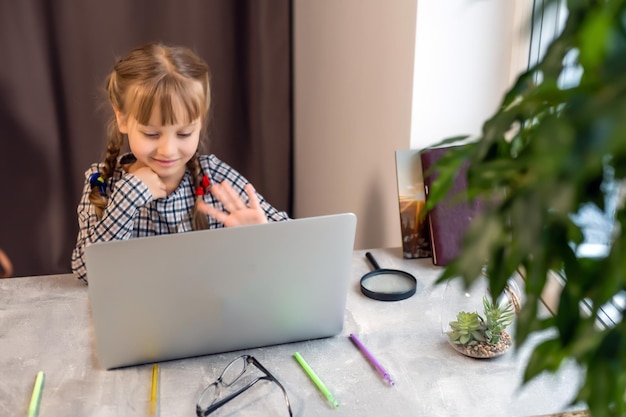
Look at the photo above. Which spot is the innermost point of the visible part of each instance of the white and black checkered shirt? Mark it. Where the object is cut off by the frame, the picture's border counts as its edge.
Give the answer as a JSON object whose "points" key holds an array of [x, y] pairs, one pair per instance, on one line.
{"points": [[131, 212]]}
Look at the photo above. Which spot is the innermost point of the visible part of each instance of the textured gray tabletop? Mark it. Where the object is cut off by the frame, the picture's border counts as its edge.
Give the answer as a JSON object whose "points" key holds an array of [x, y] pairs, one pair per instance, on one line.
{"points": [[45, 325]]}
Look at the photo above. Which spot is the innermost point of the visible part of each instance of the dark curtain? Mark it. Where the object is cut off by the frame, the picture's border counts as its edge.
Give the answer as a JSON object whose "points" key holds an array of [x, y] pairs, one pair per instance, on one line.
{"points": [[54, 56]]}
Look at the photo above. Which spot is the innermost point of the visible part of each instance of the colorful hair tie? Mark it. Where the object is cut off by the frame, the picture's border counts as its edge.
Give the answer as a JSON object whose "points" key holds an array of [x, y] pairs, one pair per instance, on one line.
{"points": [[96, 180], [206, 185]]}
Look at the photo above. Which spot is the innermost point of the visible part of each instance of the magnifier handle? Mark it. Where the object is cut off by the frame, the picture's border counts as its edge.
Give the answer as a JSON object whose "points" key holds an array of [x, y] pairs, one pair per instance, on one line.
{"points": [[370, 258]]}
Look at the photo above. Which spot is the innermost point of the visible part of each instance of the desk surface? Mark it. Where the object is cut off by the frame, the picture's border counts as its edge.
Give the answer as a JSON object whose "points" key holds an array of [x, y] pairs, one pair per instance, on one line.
{"points": [[45, 325]]}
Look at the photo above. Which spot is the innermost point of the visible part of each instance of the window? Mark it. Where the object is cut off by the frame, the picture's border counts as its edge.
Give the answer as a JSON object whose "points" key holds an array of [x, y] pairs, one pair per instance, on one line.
{"points": [[596, 224]]}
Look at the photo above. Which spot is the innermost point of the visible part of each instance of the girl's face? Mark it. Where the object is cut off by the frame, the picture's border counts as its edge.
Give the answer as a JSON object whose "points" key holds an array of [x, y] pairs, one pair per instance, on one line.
{"points": [[165, 149]]}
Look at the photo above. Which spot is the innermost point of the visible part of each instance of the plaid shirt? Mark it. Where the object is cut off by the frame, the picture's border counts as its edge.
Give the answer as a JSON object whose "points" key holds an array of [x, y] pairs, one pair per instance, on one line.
{"points": [[131, 212]]}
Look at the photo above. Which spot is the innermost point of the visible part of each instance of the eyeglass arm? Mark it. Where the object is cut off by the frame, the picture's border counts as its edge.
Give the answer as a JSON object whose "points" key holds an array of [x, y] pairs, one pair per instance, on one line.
{"points": [[272, 378]]}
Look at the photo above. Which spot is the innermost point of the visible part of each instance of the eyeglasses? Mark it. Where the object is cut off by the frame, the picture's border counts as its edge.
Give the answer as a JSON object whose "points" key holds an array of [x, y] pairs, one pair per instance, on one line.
{"points": [[230, 375]]}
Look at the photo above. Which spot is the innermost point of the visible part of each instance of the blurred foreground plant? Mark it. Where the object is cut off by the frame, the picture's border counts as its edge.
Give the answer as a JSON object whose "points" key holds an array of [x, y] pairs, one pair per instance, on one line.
{"points": [[548, 152]]}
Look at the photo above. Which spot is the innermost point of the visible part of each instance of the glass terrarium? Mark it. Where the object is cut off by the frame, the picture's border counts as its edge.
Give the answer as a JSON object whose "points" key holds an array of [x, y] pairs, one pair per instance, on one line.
{"points": [[474, 323]]}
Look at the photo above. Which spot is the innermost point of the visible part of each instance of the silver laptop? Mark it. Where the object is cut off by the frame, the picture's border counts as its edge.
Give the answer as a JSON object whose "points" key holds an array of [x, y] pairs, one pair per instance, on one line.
{"points": [[191, 294]]}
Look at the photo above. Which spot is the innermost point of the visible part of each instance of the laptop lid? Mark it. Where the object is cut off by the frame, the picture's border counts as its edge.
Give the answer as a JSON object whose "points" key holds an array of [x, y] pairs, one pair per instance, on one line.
{"points": [[189, 294]]}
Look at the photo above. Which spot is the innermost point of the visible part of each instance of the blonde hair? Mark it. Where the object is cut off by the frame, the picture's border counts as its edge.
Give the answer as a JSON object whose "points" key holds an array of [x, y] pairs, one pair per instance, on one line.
{"points": [[171, 78]]}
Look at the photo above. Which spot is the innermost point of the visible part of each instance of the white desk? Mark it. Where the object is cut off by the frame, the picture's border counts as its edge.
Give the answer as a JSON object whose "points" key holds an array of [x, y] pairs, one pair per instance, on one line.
{"points": [[45, 325]]}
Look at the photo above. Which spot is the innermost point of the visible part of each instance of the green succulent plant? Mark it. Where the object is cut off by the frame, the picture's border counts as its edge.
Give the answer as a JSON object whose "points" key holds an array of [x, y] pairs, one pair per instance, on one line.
{"points": [[497, 319], [470, 328]]}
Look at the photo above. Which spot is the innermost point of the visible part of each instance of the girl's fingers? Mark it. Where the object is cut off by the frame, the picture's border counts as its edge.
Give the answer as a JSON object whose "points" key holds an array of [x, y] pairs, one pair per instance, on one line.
{"points": [[233, 196], [254, 200], [236, 210], [220, 216], [221, 193], [231, 200]]}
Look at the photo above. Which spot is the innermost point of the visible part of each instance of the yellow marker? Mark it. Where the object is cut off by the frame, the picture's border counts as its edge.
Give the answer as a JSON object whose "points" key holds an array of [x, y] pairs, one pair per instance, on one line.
{"points": [[154, 392], [33, 407]]}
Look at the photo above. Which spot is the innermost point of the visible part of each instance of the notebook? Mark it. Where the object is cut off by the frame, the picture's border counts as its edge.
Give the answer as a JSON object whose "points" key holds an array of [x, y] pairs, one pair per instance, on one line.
{"points": [[450, 218], [190, 294]]}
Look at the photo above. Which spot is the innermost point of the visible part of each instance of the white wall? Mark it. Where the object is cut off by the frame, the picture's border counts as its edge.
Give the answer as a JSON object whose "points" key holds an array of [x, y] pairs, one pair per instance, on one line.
{"points": [[467, 54], [353, 75]]}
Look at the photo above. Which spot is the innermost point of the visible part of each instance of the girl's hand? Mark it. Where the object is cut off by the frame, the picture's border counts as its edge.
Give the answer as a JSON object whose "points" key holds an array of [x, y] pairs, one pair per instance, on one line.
{"points": [[236, 212], [152, 181]]}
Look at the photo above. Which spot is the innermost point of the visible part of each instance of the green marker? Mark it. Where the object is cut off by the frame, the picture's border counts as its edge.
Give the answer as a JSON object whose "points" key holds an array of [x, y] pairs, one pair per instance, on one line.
{"points": [[33, 407], [316, 380]]}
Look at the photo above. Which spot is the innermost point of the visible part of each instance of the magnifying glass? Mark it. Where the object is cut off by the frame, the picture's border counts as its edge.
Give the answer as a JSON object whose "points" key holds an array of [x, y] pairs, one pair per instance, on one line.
{"points": [[387, 284]]}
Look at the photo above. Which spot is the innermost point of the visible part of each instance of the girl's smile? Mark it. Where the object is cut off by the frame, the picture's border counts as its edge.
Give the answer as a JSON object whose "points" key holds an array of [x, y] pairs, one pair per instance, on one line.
{"points": [[165, 163]]}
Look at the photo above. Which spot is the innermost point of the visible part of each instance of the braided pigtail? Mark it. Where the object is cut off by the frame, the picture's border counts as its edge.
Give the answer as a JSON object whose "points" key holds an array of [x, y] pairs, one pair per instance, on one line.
{"points": [[200, 186], [98, 196]]}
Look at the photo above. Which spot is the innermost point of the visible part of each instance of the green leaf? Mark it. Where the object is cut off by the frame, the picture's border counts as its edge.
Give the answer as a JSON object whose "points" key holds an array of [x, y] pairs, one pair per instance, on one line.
{"points": [[547, 356], [567, 317], [605, 383], [592, 36]]}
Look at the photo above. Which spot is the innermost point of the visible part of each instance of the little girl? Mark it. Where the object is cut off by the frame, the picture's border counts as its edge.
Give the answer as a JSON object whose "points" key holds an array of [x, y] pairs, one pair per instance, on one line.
{"points": [[160, 98]]}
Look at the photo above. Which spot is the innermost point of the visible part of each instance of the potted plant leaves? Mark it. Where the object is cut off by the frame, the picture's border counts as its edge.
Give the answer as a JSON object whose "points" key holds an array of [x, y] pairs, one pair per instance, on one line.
{"points": [[552, 150]]}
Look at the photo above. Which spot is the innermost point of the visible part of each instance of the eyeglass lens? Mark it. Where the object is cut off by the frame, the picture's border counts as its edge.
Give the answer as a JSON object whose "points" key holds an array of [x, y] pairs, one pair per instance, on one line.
{"points": [[229, 376], [234, 370]]}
